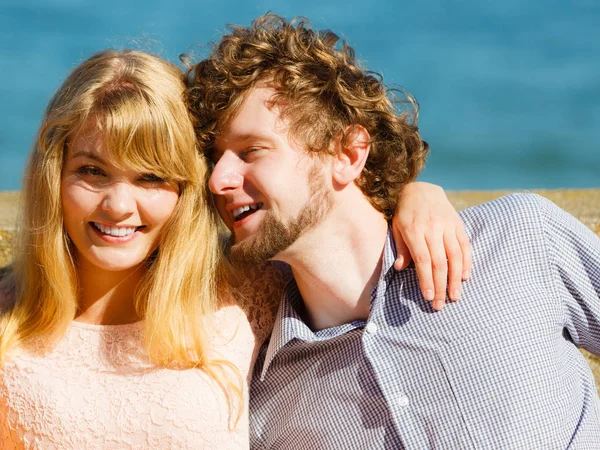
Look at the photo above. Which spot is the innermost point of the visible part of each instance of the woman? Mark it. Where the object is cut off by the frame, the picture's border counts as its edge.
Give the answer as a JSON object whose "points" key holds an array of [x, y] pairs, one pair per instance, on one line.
{"points": [[116, 327]]}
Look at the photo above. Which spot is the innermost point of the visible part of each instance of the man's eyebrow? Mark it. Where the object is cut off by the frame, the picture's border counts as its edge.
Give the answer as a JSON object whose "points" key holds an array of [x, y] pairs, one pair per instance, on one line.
{"points": [[236, 137], [242, 138], [249, 136], [235, 141]]}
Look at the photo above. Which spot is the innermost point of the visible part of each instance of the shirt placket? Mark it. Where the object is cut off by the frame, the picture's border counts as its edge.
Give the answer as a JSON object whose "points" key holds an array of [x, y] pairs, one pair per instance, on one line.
{"points": [[398, 400]]}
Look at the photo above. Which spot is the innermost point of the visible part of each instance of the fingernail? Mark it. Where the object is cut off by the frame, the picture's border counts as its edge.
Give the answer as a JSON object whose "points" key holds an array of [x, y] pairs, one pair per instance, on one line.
{"points": [[455, 294], [438, 305], [429, 294], [466, 275]]}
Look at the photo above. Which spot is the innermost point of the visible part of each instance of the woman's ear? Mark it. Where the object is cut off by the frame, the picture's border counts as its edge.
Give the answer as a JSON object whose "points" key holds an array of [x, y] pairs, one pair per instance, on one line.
{"points": [[351, 154]]}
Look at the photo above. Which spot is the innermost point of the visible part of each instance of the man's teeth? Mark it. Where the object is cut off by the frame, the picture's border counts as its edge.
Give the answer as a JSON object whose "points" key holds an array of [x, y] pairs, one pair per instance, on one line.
{"points": [[238, 211], [115, 231]]}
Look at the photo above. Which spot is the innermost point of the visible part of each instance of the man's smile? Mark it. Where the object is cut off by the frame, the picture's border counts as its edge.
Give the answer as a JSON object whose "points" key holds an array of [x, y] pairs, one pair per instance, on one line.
{"points": [[244, 211]]}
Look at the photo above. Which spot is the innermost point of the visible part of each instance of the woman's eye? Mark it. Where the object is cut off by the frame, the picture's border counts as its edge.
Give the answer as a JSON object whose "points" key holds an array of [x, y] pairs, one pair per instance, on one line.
{"points": [[91, 170], [151, 178]]}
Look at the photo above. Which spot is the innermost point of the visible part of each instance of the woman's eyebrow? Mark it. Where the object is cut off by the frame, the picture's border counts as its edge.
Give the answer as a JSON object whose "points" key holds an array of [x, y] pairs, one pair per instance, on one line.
{"points": [[87, 154]]}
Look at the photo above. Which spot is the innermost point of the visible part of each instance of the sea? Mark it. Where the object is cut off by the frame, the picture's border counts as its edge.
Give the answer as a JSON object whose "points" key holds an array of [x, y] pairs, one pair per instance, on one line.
{"points": [[509, 90]]}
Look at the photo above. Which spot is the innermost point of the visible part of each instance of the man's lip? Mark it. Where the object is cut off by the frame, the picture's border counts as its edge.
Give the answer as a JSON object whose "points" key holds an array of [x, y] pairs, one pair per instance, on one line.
{"points": [[246, 210], [236, 224], [229, 207]]}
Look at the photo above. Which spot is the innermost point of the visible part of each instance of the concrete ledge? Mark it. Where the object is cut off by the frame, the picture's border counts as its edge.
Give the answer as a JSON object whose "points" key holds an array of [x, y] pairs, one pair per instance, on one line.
{"points": [[582, 203], [9, 202]]}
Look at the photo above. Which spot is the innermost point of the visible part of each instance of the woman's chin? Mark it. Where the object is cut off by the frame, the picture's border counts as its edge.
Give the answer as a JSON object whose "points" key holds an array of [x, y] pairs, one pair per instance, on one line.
{"points": [[115, 262]]}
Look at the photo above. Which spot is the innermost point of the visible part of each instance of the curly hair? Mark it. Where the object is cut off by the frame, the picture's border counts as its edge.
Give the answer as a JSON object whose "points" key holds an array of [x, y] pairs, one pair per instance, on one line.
{"points": [[323, 93]]}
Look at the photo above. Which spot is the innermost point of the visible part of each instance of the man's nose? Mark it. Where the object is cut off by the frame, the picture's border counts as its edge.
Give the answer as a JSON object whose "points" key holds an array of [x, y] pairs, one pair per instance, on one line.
{"points": [[226, 175]]}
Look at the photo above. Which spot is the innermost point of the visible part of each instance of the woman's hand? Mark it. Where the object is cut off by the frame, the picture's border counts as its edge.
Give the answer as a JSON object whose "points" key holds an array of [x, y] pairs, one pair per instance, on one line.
{"points": [[428, 230]]}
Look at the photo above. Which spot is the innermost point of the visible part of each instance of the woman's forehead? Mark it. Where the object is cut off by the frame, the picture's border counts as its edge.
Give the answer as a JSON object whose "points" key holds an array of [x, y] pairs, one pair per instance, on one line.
{"points": [[88, 142], [121, 152]]}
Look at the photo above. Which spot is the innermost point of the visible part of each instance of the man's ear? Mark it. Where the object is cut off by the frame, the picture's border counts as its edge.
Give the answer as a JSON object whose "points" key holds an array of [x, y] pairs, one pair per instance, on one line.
{"points": [[351, 154]]}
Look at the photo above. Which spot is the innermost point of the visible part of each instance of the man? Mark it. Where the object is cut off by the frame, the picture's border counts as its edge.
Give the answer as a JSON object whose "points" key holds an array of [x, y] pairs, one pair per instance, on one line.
{"points": [[309, 156]]}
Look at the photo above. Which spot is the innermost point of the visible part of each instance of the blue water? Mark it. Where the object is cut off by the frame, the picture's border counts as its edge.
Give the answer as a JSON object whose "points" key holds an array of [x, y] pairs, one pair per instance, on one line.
{"points": [[509, 89]]}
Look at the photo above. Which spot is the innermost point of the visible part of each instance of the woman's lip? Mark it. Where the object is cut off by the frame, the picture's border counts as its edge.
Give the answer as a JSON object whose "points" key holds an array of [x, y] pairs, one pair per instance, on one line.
{"points": [[114, 239], [116, 225]]}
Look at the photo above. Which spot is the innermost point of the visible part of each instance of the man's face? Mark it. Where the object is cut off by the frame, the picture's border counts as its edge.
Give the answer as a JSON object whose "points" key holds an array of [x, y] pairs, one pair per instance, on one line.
{"points": [[267, 190]]}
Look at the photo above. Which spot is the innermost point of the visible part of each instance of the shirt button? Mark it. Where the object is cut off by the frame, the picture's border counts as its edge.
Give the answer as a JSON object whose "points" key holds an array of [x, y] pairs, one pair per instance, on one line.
{"points": [[403, 401], [371, 328]]}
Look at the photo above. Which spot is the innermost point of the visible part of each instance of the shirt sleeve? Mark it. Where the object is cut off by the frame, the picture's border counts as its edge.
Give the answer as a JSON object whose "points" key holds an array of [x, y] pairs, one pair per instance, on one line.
{"points": [[574, 253]]}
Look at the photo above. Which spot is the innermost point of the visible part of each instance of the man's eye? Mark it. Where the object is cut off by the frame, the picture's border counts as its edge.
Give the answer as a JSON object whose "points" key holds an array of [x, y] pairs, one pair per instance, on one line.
{"points": [[249, 153]]}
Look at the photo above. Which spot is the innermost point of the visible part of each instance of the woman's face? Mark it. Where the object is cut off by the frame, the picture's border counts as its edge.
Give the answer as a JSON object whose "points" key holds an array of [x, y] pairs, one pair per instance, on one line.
{"points": [[113, 216]]}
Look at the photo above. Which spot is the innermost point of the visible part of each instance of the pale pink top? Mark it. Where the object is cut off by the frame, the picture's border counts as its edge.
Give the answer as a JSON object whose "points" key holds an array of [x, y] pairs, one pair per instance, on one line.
{"points": [[97, 389]]}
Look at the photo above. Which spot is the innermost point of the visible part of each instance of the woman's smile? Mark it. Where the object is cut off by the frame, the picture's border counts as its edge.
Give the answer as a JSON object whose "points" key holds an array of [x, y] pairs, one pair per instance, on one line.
{"points": [[113, 215], [116, 234]]}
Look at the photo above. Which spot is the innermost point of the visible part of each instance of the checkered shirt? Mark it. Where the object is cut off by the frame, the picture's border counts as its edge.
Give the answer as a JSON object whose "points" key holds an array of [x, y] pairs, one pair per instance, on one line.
{"points": [[500, 369]]}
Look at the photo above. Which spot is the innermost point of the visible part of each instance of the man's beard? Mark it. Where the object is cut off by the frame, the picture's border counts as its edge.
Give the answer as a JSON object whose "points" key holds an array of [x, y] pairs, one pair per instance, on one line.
{"points": [[273, 236]]}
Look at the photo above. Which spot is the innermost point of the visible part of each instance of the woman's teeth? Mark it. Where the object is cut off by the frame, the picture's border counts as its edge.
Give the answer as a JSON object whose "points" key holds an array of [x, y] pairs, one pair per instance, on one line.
{"points": [[115, 231]]}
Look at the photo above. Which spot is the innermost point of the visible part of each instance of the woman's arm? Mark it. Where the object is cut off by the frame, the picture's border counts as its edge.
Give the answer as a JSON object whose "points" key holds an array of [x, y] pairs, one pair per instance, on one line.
{"points": [[428, 230]]}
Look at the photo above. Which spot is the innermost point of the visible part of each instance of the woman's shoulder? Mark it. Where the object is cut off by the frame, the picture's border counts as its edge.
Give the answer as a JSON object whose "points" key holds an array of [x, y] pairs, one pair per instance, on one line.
{"points": [[258, 293]]}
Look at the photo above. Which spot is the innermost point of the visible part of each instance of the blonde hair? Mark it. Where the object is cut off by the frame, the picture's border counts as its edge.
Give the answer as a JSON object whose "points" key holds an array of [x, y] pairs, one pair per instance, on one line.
{"points": [[136, 102]]}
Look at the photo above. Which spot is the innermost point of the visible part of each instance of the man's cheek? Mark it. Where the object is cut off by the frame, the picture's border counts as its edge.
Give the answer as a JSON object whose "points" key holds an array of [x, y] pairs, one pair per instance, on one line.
{"points": [[223, 213]]}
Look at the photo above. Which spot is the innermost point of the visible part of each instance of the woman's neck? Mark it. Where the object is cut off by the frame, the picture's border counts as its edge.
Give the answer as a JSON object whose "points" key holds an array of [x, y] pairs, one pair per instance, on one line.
{"points": [[107, 297]]}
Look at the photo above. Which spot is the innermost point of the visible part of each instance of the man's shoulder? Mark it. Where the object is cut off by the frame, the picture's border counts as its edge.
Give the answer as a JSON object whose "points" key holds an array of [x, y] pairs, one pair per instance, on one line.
{"points": [[517, 212], [507, 206]]}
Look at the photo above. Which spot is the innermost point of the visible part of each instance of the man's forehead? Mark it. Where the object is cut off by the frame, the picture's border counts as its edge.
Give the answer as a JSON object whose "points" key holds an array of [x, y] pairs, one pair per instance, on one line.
{"points": [[259, 114], [260, 98]]}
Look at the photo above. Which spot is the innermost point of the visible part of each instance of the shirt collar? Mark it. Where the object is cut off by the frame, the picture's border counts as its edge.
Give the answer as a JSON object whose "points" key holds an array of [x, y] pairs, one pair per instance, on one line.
{"points": [[389, 256], [288, 323]]}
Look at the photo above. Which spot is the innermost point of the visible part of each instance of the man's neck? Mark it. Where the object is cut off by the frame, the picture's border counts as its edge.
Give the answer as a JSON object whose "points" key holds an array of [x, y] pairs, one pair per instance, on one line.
{"points": [[337, 264]]}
